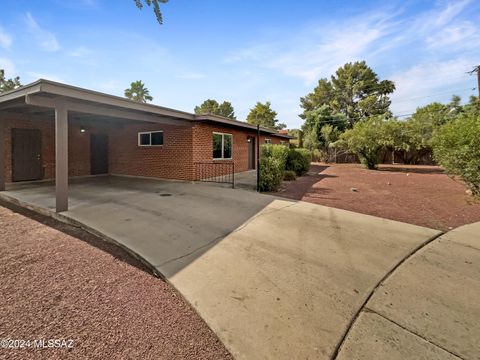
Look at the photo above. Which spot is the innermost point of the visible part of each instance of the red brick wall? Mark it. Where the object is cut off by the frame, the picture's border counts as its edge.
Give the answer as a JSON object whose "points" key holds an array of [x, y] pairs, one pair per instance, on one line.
{"points": [[78, 144], [173, 160], [47, 128], [203, 144], [183, 146]]}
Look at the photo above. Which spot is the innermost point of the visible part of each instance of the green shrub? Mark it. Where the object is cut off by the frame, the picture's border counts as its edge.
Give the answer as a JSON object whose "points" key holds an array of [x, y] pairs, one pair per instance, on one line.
{"points": [[271, 174], [279, 152], [298, 160], [456, 147], [319, 155], [272, 165], [289, 175], [365, 140]]}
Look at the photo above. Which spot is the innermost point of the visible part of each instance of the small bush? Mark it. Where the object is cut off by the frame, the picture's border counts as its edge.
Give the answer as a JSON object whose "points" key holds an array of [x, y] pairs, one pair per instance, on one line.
{"points": [[319, 155], [298, 160], [279, 152], [364, 140], [289, 175], [272, 165], [456, 147], [271, 174]]}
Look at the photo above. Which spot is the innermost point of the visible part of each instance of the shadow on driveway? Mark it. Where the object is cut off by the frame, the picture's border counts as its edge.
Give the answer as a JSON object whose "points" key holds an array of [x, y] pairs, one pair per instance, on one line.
{"points": [[297, 189]]}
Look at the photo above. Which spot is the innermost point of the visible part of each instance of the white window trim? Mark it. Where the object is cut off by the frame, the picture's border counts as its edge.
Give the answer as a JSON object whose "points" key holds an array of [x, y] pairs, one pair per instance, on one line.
{"points": [[150, 133], [223, 141], [268, 141]]}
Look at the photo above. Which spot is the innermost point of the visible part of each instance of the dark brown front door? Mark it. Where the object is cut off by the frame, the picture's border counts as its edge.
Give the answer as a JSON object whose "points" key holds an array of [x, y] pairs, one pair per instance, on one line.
{"points": [[98, 154], [251, 153], [26, 154]]}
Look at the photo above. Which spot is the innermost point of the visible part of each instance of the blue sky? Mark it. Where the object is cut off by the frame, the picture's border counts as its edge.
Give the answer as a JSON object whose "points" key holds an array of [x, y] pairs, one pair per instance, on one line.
{"points": [[244, 51]]}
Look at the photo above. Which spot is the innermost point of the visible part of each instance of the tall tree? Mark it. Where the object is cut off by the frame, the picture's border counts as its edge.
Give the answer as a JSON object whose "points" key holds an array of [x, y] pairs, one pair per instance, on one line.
{"points": [[8, 84], [263, 115], [354, 90], [138, 92], [211, 106], [156, 7]]}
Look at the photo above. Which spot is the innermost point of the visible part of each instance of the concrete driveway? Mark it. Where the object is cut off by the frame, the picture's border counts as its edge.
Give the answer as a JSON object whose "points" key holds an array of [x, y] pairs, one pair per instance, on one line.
{"points": [[275, 279], [168, 224]]}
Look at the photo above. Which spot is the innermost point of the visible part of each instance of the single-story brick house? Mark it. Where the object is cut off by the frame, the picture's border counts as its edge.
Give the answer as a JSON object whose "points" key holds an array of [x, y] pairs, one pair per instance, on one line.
{"points": [[50, 130]]}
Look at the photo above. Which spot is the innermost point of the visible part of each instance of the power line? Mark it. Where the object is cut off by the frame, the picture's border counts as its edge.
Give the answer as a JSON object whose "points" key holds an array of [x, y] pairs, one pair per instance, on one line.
{"points": [[433, 95]]}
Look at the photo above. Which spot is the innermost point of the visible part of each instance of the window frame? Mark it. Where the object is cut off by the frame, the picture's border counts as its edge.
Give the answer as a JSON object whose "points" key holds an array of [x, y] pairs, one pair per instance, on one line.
{"points": [[150, 135], [268, 141], [223, 146]]}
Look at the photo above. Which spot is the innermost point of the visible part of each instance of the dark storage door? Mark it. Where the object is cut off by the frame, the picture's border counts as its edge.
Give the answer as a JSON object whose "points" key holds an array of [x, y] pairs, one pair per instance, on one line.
{"points": [[251, 153], [26, 154], [98, 154]]}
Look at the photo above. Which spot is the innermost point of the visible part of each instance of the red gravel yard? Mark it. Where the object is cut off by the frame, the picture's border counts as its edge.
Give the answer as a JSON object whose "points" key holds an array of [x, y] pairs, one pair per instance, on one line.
{"points": [[58, 282], [421, 195]]}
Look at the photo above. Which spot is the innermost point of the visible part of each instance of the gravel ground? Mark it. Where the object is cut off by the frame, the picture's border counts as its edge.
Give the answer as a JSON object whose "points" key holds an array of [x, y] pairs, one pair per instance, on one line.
{"points": [[58, 282], [421, 195]]}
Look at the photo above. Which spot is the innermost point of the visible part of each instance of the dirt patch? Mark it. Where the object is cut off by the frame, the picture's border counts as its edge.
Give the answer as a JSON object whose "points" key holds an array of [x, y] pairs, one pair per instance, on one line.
{"points": [[58, 282], [421, 195]]}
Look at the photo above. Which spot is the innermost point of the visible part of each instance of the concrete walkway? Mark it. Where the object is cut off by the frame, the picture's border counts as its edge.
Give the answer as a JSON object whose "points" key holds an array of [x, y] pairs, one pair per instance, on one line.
{"points": [[429, 308], [278, 279], [287, 284]]}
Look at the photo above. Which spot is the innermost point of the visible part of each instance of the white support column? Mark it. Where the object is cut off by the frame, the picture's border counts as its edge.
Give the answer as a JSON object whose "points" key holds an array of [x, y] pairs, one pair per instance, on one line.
{"points": [[2, 155], [61, 157]]}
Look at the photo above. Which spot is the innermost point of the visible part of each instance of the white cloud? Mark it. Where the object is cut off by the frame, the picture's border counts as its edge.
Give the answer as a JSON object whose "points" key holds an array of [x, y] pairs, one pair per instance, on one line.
{"points": [[450, 12], [5, 39], [317, 51], [46, 39], [459, 35], [427, 82]]}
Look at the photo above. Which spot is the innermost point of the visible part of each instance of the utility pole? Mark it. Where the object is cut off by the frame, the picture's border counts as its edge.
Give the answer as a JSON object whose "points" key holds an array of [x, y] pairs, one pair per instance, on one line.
{"points": [[476, 69]]}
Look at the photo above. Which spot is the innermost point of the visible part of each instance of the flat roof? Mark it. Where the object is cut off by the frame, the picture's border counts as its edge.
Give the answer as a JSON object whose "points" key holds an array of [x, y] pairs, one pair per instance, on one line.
{"points": [[52, 90]]}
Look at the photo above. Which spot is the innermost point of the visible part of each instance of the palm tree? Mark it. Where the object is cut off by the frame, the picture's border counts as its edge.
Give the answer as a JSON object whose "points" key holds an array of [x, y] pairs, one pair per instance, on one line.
{"points": [[138, 92]]}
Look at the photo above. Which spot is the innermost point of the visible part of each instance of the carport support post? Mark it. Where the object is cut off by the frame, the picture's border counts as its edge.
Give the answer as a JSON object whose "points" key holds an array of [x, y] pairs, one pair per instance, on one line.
{"points": [[258, 157], [61, 158], [2, 155]]}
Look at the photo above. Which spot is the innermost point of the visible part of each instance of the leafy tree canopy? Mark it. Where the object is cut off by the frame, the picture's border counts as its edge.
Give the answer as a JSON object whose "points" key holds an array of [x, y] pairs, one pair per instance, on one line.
{"points": [[156, 7], [323, 126], [138, 92], [354, 90], [210, 106], [263, 115], [8, 84], [365, 140]]}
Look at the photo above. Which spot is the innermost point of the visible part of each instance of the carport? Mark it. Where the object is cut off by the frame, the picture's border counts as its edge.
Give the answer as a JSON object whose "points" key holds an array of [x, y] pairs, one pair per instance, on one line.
{"points": [[44, 101]]}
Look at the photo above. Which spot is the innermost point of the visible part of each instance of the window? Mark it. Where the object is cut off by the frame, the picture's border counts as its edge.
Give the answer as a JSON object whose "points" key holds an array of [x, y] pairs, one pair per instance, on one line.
{"points": [[282, 142], [222, 146], [268, 141], [151, 138]]}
